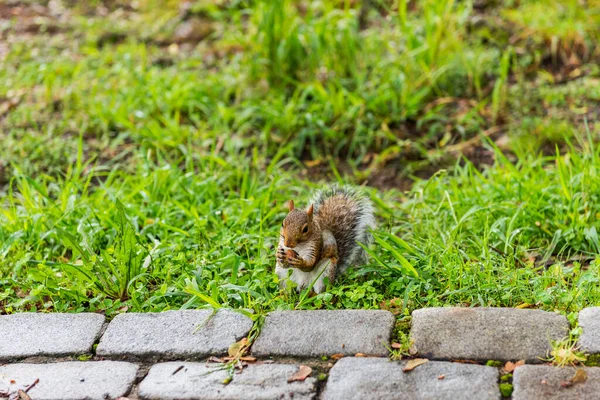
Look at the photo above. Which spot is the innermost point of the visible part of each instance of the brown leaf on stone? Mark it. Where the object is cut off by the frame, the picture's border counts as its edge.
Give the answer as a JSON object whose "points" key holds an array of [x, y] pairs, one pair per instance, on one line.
{"points": [[300, 375], [243, 358], [238, 347], [442, 377], [509, 367], [360, 355], [580, 376], [215, 359], [414, 363], [396, 345], [23, 395], [337, 356]]}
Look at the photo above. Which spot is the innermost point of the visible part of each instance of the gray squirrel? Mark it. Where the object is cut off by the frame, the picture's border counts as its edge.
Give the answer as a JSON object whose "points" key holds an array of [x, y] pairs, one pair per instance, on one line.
{"points": [[322, 241]]}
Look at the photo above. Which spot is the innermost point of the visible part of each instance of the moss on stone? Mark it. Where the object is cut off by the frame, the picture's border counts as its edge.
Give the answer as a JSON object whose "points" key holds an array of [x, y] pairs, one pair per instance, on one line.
{"points": [[593, 360], [506, 389], [506, 378], [493, 363]]}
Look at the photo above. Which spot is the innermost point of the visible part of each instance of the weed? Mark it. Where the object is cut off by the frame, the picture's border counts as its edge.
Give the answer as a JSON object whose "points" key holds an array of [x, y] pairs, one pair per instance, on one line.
{"points": [[506, 389], [565, 352]]}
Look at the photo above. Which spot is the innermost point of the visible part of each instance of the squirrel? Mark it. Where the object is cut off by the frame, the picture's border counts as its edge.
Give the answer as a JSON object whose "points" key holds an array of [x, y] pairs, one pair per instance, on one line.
{"points": [[322, 241]]}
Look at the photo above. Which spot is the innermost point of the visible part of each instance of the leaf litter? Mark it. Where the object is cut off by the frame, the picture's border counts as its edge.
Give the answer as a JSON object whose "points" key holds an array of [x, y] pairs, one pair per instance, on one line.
{"points": [[300, 375], [414, 363]]}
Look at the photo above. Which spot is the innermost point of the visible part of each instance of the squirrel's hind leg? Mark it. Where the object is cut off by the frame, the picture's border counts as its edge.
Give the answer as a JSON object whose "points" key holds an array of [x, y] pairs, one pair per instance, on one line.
{"points": [[330, 249]]}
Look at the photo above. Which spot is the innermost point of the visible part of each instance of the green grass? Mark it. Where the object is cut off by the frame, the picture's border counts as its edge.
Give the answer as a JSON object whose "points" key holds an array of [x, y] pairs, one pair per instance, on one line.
{"points": [[142, 175]]}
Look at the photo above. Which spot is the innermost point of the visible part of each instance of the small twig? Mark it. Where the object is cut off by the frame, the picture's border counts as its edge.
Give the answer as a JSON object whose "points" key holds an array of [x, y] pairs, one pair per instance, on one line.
{"points": [[503, 254], [177, 370], [460, 147], [32, 385]]}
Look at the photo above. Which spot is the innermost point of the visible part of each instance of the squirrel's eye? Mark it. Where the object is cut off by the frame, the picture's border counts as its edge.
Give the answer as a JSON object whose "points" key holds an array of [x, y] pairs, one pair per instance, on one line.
{"points": [[305, 229]]}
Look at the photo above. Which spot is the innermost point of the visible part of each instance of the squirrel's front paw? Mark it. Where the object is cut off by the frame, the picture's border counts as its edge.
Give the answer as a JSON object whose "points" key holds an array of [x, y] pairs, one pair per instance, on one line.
{"points": [[294, 258], [281, 256]]}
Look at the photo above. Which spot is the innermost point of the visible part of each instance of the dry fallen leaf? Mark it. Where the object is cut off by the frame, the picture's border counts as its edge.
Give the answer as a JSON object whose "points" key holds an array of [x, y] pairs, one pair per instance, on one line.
{"points": [[237, 347], [300, 375], [580, 376], [524, 305], [215, 359], [23, 395], [360, 355], [509, 366], [441, 377], [312, 163], [396, 346], [414, 363], [337, 356], [243, 358]]}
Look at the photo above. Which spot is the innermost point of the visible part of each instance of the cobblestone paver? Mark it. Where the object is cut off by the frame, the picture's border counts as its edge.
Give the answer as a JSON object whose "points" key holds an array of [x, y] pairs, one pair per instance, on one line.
{"points": [[181, 380], [173, 334], [486, 333], [379, 378], [589, 321], [322, 332], [68, 380], [544, 382], [30, 334], [171, 355]]}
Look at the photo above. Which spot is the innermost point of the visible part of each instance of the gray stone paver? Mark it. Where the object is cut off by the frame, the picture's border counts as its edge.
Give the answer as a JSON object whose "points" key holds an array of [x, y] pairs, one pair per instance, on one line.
{"points": [[69, 380], [589, 321], [545, 382], [486, 333], [324, 332], [185, 380], [379, 378], [35, 334], [173, 334]]}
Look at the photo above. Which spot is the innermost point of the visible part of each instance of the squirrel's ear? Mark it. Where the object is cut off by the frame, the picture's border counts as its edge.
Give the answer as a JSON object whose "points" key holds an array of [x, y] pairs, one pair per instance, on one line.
{"points": [[291, 205], [310, 211]]}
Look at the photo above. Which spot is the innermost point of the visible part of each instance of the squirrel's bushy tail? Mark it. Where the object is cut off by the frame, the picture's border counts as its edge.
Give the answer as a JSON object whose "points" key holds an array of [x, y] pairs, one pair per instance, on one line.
{"points": [[355, 229]]}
